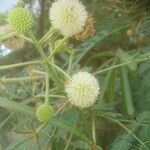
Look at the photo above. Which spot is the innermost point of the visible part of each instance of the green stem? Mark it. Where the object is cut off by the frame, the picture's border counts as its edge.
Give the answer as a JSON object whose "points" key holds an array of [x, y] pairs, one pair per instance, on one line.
{"points": [[59, 69], [25, 38], [10, 80], [5, 37], [60, 108], [54, 76], [53, 96], [59, 45], [66, 147], [122, 64], [46, 36], [93, 129], [38, 72], [19, 65], [46, 67], [38, 47], [2, 124], [47, 90], [70, 62]]}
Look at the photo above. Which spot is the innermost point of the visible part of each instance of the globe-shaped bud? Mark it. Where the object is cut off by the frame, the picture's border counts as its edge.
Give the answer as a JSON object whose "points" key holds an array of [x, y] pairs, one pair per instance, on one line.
{"points": [[44, 113], [20, 19]]}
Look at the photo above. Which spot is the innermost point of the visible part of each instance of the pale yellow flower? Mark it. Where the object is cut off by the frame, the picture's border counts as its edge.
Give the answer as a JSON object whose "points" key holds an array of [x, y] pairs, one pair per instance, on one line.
{"points": [[68, 16], [82, 90]]}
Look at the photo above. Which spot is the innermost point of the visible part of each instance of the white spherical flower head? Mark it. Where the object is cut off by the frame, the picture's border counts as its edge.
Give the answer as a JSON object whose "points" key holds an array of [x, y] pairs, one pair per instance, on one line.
{"points": [[68, 16], [82, 90]]}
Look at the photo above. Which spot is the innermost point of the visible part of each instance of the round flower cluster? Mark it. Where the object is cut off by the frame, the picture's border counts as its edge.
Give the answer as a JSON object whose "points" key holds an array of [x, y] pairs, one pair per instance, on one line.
{"points": [[20, 19], [82, 90], [13, 43], [68, 16], [44, 113]]}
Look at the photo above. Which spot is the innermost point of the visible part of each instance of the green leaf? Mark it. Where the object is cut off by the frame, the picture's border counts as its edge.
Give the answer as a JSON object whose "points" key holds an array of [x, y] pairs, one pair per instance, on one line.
{"points": [[5, 121], [10, 105], [140, 128], [89, 44], [67, 126], [17, 144], [106, 82], [111, 86]]}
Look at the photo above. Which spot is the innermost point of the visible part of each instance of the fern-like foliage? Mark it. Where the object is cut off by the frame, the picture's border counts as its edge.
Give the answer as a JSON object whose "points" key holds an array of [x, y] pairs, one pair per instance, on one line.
{"points": [[141, 129]]}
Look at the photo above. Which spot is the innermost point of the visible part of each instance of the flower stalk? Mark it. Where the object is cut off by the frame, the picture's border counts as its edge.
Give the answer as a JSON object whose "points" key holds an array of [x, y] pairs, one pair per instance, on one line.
{"points": [[19, 65], [93, 129], [70, 61], [50, 71], [47, 89], [5, 37], [55, 50], [47, 36], [23, 79]]}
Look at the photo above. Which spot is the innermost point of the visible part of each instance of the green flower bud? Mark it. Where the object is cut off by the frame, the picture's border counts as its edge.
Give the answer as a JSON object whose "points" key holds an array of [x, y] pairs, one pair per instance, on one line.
{"points": [[60, 47], [20, 19], [44, 113]]}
